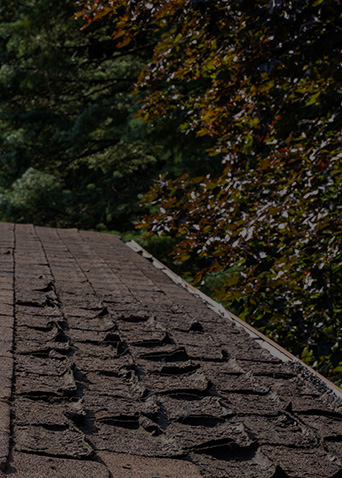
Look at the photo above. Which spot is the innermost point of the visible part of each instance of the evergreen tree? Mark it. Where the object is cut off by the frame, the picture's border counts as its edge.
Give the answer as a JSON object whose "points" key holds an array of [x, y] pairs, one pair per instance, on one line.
{"points": [[66, 120]]}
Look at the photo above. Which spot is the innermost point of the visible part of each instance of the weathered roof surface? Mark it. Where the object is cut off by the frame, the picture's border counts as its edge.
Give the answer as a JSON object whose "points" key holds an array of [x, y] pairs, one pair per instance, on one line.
{"points": [[110, 369]]}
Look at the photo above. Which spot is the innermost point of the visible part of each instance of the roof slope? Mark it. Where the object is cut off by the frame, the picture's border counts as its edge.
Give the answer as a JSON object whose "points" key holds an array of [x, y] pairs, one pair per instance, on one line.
{"points": [[110, 369]]}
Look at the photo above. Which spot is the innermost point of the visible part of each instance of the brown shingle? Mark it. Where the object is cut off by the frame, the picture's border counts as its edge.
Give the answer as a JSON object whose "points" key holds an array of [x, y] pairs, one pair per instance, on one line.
{"points": [[25, 465], [120, 371], [127, 466]]}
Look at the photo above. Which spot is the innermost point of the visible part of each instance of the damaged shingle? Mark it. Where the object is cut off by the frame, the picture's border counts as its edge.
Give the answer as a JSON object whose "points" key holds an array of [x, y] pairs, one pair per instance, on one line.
{"points": [[118, 371]]}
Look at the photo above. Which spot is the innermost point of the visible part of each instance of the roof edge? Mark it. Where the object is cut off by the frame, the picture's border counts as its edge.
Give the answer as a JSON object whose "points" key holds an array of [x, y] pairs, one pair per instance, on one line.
{"points": [[275, 349]]}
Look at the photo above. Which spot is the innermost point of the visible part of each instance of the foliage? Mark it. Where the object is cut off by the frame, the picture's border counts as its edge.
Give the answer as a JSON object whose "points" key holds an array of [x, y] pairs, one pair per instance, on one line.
{"points": [[263, 81], [66, 111], [27, 194], [242, 72]]}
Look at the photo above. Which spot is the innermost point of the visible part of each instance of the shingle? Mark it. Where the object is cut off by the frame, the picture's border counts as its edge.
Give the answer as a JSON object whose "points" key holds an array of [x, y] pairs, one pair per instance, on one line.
{"points": [[25, 465], [128, 466], [134, 376], [298, 463], [5, 431], [54, 440]]}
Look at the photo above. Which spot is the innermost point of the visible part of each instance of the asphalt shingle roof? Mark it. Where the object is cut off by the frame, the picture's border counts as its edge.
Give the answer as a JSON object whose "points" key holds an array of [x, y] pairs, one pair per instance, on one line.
{"points": [[111, 369]]}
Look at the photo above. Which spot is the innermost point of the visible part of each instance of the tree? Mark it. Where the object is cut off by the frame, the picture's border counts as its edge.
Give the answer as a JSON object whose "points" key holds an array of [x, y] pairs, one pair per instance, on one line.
{"points": [[263, 81], [66, 119]]}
